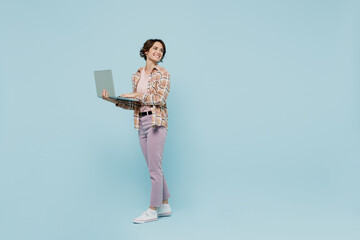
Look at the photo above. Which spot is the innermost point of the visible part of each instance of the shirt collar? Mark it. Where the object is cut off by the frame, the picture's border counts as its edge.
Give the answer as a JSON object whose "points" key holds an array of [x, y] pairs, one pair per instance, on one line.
{"points": [[155, 67]]}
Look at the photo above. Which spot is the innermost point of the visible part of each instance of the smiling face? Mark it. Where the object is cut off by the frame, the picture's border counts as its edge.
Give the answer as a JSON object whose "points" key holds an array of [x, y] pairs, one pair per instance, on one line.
{"points": [[155, 53]]}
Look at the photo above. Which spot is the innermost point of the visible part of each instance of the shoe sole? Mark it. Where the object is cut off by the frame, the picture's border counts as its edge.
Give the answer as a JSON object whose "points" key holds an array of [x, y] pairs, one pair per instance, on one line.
{"points": [[167, 214], [145, 221]]}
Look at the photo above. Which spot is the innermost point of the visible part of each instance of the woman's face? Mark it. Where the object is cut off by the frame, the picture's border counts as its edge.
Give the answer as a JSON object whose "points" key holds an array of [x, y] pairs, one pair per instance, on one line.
{"points": [[155, 53]]}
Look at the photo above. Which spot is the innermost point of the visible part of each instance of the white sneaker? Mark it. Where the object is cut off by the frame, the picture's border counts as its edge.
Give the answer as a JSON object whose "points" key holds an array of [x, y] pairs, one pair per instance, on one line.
{"points": [[148, 216], [164, 210]]}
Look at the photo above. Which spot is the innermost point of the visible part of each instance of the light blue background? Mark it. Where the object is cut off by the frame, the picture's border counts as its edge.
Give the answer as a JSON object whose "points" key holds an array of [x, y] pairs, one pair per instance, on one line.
{"points": [[264, 133]]}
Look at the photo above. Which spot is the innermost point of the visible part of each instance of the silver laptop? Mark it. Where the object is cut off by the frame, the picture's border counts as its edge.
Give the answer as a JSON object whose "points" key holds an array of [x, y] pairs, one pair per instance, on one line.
{"points": [[104, 80]]}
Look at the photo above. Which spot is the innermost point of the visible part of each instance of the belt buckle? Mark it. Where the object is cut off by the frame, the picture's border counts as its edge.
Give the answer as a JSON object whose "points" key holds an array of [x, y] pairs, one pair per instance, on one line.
{"points": [[145, 113]]}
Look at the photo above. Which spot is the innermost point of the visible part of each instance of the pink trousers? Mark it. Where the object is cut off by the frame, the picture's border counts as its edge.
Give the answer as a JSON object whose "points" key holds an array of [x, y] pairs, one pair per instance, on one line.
{"points": [[152, 141]]}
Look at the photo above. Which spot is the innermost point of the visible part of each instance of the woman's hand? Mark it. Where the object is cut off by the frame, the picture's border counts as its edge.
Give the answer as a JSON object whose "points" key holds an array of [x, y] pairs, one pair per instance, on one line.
{"points": [[105, 96], [132, 95]]}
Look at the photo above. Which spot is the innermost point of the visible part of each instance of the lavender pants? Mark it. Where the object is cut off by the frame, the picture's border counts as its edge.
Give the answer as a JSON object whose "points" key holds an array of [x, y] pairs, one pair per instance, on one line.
{"points": [[152, 141]]}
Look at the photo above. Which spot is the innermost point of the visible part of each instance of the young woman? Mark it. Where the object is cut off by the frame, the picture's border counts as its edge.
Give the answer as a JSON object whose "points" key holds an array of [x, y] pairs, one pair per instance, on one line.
{"points": [[151, 86]]}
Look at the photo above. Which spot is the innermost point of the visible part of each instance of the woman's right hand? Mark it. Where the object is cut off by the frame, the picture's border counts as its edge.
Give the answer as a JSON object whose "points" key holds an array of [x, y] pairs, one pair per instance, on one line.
{"points": [[105, 95]]}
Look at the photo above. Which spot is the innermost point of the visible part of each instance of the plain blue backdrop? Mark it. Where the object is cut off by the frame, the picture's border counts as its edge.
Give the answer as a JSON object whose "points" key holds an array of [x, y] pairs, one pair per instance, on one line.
{"points": [[264, 120]]}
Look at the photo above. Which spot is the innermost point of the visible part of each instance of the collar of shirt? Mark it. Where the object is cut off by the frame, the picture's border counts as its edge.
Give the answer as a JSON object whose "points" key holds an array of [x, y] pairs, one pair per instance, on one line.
{"points": [[155, 67]]}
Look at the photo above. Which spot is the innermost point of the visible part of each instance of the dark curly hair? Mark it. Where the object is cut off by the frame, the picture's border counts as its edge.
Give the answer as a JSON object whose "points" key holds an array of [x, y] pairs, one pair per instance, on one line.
{"points": [[148, 44]]}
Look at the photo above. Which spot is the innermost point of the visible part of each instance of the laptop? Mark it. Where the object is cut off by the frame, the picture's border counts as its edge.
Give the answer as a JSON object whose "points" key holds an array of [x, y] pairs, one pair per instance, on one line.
{"points": [[104, 80]]}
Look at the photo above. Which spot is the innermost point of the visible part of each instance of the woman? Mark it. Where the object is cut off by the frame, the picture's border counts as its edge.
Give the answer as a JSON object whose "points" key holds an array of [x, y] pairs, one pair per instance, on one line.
{"points": [[151, 86]]}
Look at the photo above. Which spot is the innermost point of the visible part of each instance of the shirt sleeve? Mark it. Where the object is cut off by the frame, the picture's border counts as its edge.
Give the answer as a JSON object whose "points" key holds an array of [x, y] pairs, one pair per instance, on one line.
{"points": [[162, 92], [126, 105]]}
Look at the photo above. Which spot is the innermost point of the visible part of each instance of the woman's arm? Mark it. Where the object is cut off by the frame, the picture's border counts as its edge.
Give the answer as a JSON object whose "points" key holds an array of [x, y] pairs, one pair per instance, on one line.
{"points": [[126, 104], [119, 103]]}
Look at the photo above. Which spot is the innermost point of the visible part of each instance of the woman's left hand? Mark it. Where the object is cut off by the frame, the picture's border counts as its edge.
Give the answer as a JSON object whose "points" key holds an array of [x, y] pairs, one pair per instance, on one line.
{"points": [[132, 95]]}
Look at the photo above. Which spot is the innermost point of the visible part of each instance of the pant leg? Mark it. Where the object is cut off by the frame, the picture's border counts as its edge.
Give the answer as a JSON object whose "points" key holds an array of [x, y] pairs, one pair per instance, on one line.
{"points": [[143, 144], [166, 193], [145, 125], [152, 143], [155, 148]]}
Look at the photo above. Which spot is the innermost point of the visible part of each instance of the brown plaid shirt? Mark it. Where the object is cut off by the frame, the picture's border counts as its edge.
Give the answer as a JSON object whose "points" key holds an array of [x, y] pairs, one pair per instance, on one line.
{"points": [[158, 89]]}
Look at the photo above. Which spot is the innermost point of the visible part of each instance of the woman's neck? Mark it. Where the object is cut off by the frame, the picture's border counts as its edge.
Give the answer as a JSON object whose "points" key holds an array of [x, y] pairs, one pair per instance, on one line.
{"points": [[149, 66]]}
